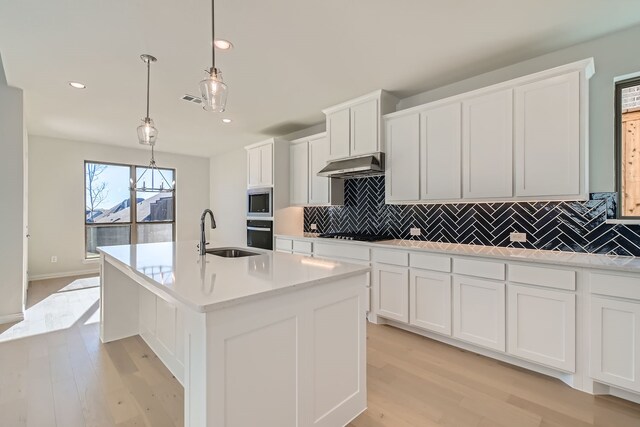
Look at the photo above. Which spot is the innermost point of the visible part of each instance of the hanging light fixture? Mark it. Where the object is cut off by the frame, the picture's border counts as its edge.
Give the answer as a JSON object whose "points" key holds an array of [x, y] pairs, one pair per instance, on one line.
{"points": [[212, 88], [161, 186], [147, 132], [147, 135]]}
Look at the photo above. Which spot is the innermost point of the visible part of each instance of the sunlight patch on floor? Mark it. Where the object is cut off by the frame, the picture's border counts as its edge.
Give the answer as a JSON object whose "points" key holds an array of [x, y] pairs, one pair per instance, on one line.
{"points": [[77, 302]]}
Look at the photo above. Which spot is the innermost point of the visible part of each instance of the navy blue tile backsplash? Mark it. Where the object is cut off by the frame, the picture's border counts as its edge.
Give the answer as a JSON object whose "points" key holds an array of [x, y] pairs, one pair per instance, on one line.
{"points": [[561, 226]]}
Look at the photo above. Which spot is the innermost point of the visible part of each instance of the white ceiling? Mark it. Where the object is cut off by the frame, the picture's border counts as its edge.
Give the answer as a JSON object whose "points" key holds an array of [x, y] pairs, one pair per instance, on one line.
{"points": [[291, 58]]}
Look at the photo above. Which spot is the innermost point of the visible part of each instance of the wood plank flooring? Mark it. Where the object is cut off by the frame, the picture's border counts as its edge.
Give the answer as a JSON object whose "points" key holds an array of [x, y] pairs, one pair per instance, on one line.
{"points": [[56, 372]]}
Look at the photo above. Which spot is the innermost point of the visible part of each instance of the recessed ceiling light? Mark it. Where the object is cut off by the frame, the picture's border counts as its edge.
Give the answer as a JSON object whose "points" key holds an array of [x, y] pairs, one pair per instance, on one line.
{"points": [[226, 120], [223, 44], [77, 85]]}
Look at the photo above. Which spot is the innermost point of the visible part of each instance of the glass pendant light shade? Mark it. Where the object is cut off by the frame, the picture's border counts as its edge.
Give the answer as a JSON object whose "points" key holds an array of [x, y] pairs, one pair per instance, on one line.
{"points": [[214, 92], [147, 132]]}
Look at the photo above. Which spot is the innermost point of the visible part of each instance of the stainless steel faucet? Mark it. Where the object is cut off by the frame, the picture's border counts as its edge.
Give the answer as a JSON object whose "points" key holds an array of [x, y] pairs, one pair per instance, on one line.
{"points": [[203, 239]]}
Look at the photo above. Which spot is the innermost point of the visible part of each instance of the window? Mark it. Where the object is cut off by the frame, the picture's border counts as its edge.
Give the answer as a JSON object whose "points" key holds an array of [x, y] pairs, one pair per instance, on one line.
{"points": [[628, 148], [116, 215]]}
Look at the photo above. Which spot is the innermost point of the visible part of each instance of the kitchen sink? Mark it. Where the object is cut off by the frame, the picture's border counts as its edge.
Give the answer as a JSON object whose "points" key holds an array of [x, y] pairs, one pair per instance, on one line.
{"points": [[230, 252]]}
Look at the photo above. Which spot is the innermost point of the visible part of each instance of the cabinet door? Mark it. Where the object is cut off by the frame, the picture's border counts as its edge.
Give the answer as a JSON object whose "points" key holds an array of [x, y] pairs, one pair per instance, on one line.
{"points": [[615, 342], [479, 312], [166, 319], [542, 326], [254, 167], [266, 164], [487, 146], [430, 301], [391, 292], [402, 180], [547, 137], [299, 173], [339, 133], [365, 127], [318, 185], [440, 157]]}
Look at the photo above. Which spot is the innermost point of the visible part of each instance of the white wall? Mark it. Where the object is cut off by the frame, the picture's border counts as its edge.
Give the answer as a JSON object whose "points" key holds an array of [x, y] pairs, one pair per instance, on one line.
{"points": [[12, 230], [615, 55], [56, 198], [228, 193]]}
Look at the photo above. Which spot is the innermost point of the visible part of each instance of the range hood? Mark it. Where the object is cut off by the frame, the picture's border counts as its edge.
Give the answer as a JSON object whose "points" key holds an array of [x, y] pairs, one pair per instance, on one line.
{"points": [[355, 167]]}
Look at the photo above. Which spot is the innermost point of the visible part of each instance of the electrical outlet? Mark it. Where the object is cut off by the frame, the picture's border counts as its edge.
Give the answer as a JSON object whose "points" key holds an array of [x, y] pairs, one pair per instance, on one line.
{"points": [[314, 227], [415, 231], [54, 259], [518, 237]]}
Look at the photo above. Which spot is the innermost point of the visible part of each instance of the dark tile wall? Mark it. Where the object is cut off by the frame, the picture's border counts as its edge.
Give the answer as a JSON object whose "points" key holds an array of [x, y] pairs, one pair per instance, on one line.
{"points": [[561, 226]]}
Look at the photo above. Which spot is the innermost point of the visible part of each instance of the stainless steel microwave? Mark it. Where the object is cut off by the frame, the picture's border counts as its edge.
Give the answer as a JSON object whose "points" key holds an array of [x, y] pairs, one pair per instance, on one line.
{"points": [[260, 202]]}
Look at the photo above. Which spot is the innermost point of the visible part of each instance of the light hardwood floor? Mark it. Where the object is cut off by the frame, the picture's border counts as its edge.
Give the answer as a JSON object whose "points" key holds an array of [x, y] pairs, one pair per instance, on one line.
{"points": [[55, 372]]}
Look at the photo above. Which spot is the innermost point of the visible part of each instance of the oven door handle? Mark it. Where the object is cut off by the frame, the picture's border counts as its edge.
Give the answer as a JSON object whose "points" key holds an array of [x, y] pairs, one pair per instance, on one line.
{"points": [[258, 229]]}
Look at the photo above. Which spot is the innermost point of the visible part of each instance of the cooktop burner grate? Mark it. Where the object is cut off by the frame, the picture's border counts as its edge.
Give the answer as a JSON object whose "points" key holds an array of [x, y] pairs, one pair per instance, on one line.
{"points": [[362, 237]]}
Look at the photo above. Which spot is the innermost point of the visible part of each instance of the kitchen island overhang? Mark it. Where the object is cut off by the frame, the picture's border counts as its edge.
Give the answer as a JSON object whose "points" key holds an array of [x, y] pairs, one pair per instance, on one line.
{"points": [[272, 340]]}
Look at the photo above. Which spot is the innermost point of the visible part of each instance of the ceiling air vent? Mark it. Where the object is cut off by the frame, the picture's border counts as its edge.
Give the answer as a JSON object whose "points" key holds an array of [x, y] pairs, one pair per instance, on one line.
{"points": [[192, 98]]}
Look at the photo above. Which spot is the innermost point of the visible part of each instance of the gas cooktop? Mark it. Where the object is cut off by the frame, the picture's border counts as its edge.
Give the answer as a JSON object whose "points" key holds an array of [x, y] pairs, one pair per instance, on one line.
{"points": [[362, 237]]}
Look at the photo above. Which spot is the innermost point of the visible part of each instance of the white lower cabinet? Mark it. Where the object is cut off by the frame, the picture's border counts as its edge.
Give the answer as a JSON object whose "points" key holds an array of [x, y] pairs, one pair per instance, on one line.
{"points": [[615, 342], [479, 312], [430, 301], [284, 245], [542, 326], [162, 328], [391, 292]]}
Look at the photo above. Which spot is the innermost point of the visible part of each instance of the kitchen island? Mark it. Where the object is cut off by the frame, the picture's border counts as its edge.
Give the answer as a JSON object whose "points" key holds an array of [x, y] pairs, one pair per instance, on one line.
{"points": [[266, 340]]}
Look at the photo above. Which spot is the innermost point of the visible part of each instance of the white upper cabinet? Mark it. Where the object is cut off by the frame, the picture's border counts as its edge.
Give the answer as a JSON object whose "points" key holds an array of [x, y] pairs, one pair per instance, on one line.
{"points": [[260, 165], [307, 157], [299, 173], [339, 130], [318, 156], [524, 139], [487, 146], [547, 137], [440, 141], [354, 127], [365, 119], [403, 158], [254, 167]]}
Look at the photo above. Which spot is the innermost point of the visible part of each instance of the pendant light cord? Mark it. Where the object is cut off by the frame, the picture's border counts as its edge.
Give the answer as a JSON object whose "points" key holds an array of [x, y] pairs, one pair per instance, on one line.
{"points": [[148, 61], [213, 36]]}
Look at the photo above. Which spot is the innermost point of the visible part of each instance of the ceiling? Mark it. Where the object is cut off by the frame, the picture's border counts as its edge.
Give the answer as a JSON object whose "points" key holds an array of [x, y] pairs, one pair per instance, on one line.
{"points": [[291, 58]]}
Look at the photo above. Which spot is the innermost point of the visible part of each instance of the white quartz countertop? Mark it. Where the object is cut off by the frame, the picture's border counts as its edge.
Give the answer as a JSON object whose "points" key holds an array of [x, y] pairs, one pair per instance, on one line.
{"points": [[568, 259], [212, 282]]}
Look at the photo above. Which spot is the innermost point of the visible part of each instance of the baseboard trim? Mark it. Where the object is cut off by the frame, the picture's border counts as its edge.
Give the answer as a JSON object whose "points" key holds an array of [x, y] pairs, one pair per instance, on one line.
{"points": [[12, 318], [63, 274]]}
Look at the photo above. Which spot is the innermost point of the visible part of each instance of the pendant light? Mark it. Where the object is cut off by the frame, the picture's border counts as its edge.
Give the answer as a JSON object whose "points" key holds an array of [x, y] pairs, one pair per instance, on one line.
{"points": [[147, 135], [212, 88], [147, 132]]}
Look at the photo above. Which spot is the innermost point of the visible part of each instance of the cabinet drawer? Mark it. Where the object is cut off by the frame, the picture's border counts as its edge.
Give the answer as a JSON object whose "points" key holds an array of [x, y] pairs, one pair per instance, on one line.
{"points": [[390, 257], [486, 269], [430, 262], [542, 276], [303, 247], [615, 286], [342, 251], [284, 244]]}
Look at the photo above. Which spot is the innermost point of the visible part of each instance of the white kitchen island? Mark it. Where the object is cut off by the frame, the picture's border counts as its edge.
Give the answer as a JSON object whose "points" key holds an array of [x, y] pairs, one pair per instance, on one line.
{"points": [[271, 340]]}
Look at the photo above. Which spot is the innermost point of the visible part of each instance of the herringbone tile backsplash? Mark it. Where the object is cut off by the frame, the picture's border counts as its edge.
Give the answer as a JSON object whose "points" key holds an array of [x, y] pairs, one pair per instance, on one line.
{"points": [[560, 226]]}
